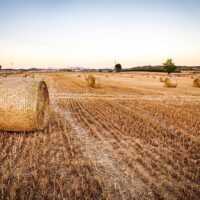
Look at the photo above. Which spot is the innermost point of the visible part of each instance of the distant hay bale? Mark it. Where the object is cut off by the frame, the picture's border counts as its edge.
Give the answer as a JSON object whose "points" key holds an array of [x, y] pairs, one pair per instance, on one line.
{"points": [[4, 75], [25, 75], [170, 83], [79, 76], [196, 82], [24, 104], [154, 76], [162, 79], [132, 76], [192, 77], [90, 80], [32, 76]]}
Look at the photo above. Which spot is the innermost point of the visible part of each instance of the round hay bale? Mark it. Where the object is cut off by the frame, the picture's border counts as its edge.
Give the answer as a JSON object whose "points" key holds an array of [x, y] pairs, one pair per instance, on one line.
{"points": [[24, 104], [170, 83], [90, 80], [162, 79], [196, 82], [4, 75]]}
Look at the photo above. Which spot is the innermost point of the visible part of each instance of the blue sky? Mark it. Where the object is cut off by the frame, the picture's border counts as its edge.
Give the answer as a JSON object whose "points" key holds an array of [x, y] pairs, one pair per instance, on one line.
{"points": [[94, 33]]}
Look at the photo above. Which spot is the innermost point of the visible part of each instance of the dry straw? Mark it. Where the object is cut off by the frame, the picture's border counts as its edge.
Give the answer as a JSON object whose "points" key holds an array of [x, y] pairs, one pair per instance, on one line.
{"points": [[90, 80], [97, 83], [24, 104], [170, 82], [196, 82]]}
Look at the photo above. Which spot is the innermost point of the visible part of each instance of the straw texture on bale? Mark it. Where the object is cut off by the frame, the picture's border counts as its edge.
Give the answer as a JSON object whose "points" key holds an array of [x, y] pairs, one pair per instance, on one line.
{"points": [[170, 82], [90, 80], [24, 104], [162, 79], [196, 82]]}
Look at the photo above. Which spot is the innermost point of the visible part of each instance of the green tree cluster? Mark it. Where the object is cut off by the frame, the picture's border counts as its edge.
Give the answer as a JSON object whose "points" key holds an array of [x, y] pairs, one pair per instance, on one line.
{"points": [[169, 66], [118, 67]]}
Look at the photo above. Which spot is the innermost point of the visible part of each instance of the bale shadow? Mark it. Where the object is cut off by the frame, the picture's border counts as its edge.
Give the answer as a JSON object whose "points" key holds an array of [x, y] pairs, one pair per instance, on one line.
{"points": [[43, 131]]}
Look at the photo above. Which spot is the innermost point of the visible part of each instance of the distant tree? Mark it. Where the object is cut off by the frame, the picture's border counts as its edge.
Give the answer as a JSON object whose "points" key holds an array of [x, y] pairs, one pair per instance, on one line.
{"points": [[0, 67], [169, 66], [118, 67]]}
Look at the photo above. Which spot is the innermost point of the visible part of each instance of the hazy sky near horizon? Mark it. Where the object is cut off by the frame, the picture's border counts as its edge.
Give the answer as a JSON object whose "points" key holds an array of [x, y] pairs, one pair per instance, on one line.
{"points": [[46, 33]]}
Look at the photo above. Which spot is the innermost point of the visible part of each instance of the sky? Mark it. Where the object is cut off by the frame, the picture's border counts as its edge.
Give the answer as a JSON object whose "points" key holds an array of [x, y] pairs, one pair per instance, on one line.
{"points": [[95, 33]]}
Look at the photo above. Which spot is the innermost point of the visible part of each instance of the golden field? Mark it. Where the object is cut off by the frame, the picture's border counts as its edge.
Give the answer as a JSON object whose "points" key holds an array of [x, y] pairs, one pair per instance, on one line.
{"points": [[130, 138]]}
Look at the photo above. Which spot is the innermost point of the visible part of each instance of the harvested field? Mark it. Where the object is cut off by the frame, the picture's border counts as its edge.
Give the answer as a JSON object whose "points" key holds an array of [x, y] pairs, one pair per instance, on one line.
{"points": [[131, 138]]}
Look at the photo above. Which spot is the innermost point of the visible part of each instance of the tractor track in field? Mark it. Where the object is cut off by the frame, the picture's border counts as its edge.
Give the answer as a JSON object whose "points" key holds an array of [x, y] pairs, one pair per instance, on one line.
{"points": [[101, 152], [93, 119], [130, 147]]}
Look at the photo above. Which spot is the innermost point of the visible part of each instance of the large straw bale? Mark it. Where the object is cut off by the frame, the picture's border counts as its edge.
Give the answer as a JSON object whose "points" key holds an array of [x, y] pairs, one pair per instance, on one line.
{"points": [[196, 82], [90, 80], [24, 104], [162, 79], [170, 82]]}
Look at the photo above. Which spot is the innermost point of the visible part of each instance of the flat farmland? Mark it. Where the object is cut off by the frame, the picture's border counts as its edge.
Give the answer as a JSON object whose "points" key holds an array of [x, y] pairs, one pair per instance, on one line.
{"points": [[130, 138]]}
